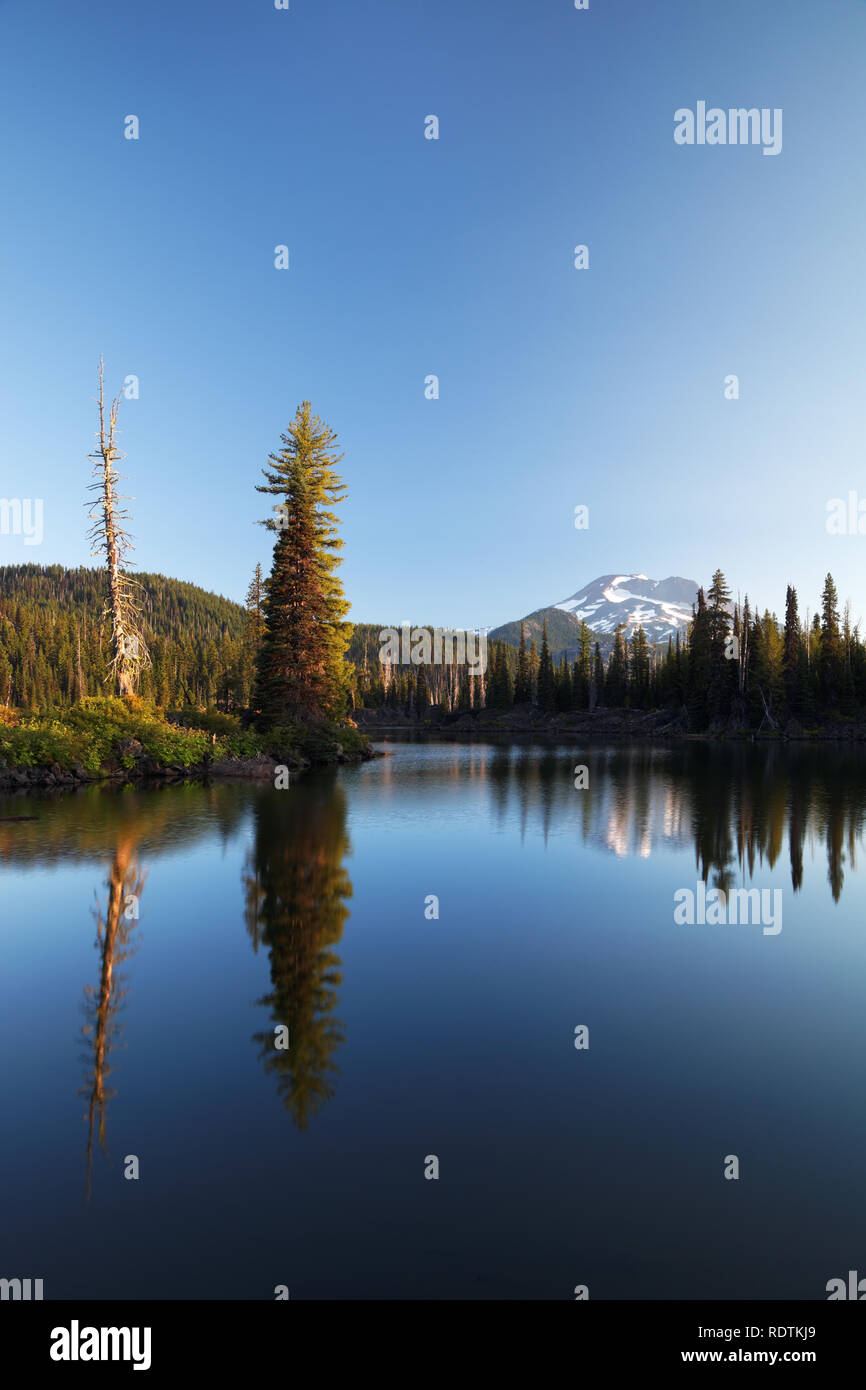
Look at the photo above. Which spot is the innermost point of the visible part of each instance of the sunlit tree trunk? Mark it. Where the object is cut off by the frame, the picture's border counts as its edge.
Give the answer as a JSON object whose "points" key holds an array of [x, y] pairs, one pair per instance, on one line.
{"points": [[128, 652]]}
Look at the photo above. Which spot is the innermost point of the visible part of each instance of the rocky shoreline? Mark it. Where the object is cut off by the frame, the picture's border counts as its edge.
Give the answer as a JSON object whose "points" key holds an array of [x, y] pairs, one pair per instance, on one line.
{"points": [[144, 769], [616, 725], [131, 765]]}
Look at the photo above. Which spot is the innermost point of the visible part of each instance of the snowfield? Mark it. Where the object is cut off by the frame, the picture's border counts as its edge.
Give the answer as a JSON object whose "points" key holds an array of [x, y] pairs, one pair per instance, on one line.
{"points": [[660, 606]]}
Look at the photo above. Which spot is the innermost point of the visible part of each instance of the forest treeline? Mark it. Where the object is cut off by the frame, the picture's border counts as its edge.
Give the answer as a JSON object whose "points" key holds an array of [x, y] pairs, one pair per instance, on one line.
{"points": [[291, 656], [54, 640], [733, 663]]}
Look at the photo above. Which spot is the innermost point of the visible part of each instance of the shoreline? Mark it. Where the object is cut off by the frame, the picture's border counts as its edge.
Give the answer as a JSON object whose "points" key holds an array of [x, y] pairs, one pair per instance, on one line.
{"points": [[636, 727], [626, 726], [147, 773], [126, 742]]}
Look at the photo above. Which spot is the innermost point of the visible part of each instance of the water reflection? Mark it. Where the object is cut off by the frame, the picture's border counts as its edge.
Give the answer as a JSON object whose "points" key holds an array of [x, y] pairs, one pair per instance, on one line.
{"points": [[736, 805], [733, 808], [538, 933], [295, 888], [103, 1001]]}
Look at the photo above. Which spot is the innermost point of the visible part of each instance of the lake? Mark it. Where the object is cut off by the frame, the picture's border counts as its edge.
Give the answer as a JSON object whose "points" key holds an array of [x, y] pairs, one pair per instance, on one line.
{"points": [[477, 962]]}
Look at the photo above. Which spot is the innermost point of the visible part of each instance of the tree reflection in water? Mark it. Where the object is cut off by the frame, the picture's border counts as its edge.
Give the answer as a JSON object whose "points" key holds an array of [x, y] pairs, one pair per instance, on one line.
{"points": [[296, 889]]}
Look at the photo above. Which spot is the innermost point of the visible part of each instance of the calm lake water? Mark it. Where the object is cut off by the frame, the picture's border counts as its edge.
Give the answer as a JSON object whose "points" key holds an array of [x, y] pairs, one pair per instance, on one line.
{"points": [[152, 941]]}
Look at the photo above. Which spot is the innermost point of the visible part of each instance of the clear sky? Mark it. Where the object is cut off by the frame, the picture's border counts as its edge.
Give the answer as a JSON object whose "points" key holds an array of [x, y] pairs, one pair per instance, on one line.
{"points": [[411, 257]]}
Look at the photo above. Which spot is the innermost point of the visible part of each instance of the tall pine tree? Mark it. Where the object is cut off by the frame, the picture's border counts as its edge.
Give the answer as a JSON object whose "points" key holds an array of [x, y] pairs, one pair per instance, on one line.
{"points": [[300, 668], [793, 695], [523, 680], [546, 684], [830, 659]]}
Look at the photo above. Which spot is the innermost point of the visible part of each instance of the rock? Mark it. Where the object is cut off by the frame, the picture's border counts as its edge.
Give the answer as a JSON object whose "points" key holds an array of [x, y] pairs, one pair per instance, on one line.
{"points": [[245, 768], [129, 748], [149, 767]]}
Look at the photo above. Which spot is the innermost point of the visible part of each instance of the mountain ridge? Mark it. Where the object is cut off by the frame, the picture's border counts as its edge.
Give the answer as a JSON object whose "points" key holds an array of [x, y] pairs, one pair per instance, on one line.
{"points": [[662, 607]]}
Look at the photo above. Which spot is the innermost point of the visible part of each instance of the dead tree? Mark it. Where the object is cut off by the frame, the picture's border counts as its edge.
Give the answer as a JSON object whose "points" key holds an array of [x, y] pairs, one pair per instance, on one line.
{"points": [[128, 651], [768, 718], [103, 1002]]}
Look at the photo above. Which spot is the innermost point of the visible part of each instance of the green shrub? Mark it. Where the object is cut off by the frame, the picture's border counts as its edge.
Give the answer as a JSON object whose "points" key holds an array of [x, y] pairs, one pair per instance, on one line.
{"points": [[318, 742], [94, 734], [213, 721]]}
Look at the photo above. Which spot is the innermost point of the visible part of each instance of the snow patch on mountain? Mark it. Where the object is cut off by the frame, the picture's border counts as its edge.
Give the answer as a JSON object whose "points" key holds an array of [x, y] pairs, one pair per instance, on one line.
{"points": [[660, 606]]}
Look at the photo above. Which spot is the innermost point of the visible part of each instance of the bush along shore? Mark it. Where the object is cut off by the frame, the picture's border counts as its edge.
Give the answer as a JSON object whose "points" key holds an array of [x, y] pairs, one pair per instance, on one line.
{"points": [[128, 740]]}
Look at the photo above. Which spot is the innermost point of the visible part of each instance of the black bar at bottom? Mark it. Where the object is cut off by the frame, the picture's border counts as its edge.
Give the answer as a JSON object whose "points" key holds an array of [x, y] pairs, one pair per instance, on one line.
{"points": [[226, 1338]]}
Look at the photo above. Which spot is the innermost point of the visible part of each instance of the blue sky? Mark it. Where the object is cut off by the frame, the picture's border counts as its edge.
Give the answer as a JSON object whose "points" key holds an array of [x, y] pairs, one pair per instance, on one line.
{"points": [[410, 257]]}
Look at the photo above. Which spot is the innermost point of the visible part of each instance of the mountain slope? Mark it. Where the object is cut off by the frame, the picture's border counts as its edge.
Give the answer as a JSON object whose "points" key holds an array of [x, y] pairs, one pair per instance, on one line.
{"points": [[661, 606], [49, 615]]}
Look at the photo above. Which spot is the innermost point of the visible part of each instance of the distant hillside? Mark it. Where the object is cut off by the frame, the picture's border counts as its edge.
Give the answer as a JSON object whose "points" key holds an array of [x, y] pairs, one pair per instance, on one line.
{"points": [[195, 638], [198, 640], [562, 630]]}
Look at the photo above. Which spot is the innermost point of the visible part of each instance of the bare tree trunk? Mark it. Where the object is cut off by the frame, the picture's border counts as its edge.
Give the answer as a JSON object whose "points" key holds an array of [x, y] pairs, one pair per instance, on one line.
{"points": [[768, 718], [128, 652], [103, 1001]]}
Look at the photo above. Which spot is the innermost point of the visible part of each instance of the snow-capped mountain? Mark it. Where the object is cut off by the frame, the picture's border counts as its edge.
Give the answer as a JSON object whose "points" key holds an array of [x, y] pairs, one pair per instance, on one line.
{"points": [[659, 606]]}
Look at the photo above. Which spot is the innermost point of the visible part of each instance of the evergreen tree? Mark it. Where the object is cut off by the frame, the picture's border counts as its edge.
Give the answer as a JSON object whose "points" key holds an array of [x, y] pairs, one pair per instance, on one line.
{"points": [[699, 664], [505, 682], [846, 691], [546, 691], [791, 659], [662, 683], [639, 670], [858, 669], [563, 687], [422, 691], [766, 668], [254, 632], [300, 668], [5, 680], [578, 695], [616, 678], [830, 659], [499, 682], [678, 687], [721, 664], [582, 675], [737, 631], [523, 681], [493, 699], [254, 606], [745, 649], [596, 686]]}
